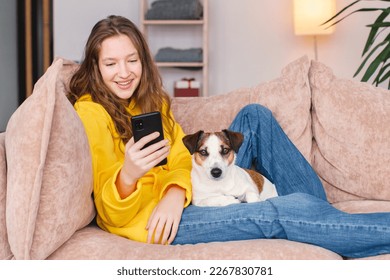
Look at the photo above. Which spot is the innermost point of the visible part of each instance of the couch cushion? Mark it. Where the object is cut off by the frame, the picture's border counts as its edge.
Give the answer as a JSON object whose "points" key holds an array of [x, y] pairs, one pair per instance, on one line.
{"points": [[351, 151], [5, 251], [49, 171], [94, 243], [287, 96]]}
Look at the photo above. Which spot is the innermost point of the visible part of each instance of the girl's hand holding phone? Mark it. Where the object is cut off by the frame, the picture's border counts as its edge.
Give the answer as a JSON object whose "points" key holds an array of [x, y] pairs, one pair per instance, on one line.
{"points": [[139, 160]]}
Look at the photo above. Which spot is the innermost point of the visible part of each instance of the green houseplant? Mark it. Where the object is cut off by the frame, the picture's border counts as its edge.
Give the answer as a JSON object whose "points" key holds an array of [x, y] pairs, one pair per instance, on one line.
{"points": [[376, 52]]}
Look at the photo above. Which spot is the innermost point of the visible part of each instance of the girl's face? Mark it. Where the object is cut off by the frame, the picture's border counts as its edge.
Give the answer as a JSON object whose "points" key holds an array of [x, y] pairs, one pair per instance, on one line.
{"points": [[120, 65]]}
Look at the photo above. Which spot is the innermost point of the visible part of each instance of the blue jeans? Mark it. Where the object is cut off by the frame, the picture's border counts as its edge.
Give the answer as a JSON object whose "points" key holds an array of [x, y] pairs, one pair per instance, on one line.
{"points": [[300, 213]]}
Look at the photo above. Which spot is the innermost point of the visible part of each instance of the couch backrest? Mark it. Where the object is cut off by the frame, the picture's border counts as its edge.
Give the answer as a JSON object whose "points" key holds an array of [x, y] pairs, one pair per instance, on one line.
{"points": [[341, 126], [5, 251], [351, 136]]}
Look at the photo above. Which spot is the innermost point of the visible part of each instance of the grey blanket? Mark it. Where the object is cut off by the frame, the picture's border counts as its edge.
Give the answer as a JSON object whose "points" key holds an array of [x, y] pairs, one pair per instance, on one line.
{"points": [[179, 55], [175, 9]]}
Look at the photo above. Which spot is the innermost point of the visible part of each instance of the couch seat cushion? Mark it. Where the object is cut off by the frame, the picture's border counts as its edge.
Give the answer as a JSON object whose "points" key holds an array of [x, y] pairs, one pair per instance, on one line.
{"points": [[94, 243]]}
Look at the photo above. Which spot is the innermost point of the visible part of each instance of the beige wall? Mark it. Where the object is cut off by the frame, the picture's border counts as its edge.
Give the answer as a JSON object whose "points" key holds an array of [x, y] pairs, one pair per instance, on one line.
{"points": [[250, 41]]}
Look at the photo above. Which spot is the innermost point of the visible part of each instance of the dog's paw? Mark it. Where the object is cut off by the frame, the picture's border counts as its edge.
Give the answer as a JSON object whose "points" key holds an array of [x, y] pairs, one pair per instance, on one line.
{"points": [[227, 200], [216, 201], [252, 197]]}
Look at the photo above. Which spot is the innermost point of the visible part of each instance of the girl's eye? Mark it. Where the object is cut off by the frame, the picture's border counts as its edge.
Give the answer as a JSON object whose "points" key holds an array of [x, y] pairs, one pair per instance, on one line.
{"points": [[203, 153], [110, 64], [225, 151]]}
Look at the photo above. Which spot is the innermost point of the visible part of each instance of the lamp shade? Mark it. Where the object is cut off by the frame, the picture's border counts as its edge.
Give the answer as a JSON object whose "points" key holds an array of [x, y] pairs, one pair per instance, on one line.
{"points": [[310, 14]]}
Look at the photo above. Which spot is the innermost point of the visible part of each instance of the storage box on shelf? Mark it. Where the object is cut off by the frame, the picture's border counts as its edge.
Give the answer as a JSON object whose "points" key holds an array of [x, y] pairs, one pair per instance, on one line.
{"points": [[187, 88]]}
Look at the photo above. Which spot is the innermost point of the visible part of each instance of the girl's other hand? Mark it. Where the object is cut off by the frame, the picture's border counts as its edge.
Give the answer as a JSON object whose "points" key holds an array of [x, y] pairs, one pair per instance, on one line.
{"points": [[164, 221]]}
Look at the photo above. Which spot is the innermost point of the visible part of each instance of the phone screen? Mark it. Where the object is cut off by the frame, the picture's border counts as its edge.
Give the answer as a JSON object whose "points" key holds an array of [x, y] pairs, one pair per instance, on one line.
{"points": [[145, 124]]}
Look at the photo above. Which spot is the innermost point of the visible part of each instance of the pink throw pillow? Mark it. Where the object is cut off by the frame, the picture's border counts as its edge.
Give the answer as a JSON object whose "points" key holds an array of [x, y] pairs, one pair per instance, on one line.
{"points": [[5, 251], [49, 171]]}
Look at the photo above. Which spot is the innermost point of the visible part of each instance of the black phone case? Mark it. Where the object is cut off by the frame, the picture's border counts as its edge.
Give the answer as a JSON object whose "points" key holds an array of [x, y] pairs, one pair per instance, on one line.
{"points": [[145, 124]]}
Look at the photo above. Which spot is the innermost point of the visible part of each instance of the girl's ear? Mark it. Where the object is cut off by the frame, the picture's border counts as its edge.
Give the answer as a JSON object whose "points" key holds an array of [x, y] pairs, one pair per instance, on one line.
{"points": [[191, 141], [235, 139]]}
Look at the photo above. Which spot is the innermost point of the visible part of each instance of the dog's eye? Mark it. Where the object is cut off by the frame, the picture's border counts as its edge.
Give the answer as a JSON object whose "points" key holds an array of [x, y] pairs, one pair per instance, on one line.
{"points": [[203, 153], [225, 151]]}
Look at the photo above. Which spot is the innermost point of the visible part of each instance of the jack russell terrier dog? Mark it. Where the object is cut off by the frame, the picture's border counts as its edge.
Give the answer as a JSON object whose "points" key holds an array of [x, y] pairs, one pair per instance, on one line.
{"points": [[216, 180]]}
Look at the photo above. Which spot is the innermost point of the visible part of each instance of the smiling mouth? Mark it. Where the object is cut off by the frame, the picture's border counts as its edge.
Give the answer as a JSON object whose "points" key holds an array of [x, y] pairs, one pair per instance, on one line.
{"points": [[123, 84]]}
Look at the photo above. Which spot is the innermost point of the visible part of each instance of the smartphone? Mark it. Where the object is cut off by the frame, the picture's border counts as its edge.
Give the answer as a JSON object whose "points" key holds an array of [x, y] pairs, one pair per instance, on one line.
{"points": [[146, 124]]}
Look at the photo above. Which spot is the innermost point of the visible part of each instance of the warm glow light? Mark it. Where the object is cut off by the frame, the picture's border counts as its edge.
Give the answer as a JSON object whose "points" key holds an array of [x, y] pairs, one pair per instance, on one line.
{"points": [[310, 14]]}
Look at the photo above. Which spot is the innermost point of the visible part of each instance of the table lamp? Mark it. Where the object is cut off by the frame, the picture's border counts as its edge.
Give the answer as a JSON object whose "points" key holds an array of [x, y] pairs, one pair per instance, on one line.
{"points": [[309, 15]]}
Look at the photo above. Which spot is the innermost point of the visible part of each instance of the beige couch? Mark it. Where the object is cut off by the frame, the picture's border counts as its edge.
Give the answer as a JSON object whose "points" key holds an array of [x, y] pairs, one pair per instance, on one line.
{"points": [[46, 210]]}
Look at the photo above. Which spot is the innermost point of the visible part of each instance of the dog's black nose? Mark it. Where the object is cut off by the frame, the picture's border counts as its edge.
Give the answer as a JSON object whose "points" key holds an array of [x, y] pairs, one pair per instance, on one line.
{"points": [[216, 172]]}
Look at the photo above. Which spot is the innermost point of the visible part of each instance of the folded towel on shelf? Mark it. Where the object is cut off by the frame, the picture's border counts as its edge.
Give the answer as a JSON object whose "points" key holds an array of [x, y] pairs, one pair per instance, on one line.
{"points": [[169, 54], [175, 9]]}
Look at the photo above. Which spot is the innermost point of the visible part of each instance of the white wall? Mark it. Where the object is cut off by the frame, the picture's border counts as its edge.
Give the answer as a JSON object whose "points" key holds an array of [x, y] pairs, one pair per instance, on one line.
{"points": [[74, 19], [250, 41]]}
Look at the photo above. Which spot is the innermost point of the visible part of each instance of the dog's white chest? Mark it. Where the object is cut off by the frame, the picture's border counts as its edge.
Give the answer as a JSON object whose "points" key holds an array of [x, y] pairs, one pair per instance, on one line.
{"points": [[236, 186]]}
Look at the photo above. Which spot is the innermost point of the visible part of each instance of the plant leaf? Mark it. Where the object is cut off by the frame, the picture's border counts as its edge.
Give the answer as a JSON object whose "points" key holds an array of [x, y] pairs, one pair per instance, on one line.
{"points": [[356, 11], [382, 76], [374, 31], [379, 24], [383, 55], [339, 13], [372, 48], [367, 57]]}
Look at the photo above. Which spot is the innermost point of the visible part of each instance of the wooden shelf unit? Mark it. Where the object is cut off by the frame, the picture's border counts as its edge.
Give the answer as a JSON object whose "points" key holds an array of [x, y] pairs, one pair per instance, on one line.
{"points": [[201, 23]]}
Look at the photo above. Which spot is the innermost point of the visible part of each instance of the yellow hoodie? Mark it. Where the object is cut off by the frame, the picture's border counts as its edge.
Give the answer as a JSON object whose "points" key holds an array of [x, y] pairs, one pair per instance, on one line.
{"points": [[128, 217]]}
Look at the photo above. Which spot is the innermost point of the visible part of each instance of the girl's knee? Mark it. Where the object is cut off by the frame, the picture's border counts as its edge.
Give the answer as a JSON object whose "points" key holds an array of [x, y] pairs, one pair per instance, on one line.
{"points": [[255, 109], [251, 117]]}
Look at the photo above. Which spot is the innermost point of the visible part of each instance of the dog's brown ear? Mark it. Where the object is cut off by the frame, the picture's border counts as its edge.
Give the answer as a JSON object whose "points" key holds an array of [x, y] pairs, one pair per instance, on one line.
{"points": [[191, 141], [235, 139]]}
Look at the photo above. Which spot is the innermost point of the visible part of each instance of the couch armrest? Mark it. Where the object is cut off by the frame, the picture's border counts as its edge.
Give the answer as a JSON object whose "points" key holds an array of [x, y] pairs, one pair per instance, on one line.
{"points": [[5, 251]]}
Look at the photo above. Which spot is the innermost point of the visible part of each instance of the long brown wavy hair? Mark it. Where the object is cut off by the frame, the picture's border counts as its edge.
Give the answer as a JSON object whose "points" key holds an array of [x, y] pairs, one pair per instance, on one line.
{"points": [[149, 96]]}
